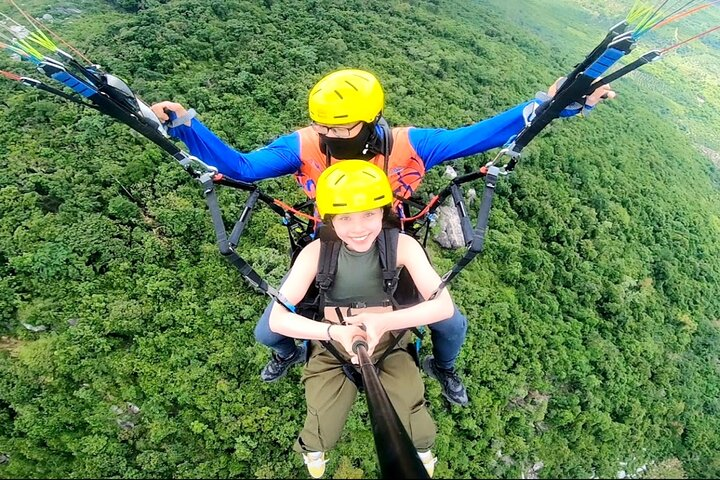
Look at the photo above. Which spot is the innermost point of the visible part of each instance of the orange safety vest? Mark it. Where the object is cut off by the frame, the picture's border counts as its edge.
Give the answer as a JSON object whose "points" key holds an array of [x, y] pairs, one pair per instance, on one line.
{"points": [[405, 168]]}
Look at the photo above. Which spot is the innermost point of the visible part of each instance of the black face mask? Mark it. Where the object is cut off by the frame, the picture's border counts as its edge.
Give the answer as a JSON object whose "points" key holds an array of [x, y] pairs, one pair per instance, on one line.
{"points": [[349, 148]]}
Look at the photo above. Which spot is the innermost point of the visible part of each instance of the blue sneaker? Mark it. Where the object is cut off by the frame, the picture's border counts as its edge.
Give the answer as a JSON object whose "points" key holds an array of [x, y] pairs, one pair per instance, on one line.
{"points": [[452, 387], [277, 367]]}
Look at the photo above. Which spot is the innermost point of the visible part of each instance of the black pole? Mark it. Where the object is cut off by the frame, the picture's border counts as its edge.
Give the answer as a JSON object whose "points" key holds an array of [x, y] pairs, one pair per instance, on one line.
{"points": [[396, 453]]}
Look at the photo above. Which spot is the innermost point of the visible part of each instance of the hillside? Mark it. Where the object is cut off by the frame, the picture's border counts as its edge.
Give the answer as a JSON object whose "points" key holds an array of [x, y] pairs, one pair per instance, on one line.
{"points": [[127, 345]]}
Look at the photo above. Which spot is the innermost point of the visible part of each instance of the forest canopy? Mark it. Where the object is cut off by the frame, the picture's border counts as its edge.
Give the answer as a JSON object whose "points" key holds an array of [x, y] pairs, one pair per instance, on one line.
{"points": [[126, 341]]}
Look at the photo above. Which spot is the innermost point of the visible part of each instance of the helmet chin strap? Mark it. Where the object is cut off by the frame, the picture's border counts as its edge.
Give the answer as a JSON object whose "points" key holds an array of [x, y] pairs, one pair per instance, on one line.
{"points": [[376, 140], [380, 142], [369, 146]]}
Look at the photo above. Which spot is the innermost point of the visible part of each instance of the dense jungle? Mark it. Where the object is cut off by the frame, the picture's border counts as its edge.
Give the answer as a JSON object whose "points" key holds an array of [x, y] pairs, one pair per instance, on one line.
{"points": [[126, 340]]}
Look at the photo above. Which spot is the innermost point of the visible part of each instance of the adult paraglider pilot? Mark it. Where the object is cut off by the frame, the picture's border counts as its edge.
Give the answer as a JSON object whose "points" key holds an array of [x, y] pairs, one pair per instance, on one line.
{"points": [[346, 109]]}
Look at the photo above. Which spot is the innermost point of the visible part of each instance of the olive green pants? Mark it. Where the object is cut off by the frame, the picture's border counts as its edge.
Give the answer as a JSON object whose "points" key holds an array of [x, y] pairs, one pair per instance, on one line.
{"points": [[330, 395]]}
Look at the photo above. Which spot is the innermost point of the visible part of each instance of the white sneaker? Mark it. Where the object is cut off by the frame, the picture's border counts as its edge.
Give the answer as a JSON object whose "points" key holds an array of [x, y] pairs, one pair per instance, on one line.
{"points": [[428, 461], [315, 462]]}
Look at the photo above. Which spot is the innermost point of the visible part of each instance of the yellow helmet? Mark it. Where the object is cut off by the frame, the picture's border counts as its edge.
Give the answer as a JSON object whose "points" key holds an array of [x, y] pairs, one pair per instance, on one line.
{"points": [[346, 96], [352, 186]]}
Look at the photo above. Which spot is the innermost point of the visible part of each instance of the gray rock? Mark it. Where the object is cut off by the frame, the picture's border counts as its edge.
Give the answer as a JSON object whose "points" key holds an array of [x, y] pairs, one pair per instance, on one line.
{"points": [[125, 425], [450, 172], [470, 196], [531, 473], [34, 328], [19, 31], [450, 235]]}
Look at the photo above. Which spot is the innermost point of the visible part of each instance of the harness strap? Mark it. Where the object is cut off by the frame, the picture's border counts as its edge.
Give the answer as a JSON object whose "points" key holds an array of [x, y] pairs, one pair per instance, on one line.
{"points": [[348, 368], [391, 348], [227, 249], [478, 240], [387, 248], [387, 142], [384, 303], [327, 268]]}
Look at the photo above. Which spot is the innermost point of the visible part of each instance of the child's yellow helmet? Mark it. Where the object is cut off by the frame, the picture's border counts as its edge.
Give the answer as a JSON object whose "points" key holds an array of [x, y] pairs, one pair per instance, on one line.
{"points": [[351, 186]]}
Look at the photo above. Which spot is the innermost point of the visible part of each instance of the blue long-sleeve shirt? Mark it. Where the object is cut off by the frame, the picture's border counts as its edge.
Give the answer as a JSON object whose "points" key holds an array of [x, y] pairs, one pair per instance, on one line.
{"points": [[282, 156]]}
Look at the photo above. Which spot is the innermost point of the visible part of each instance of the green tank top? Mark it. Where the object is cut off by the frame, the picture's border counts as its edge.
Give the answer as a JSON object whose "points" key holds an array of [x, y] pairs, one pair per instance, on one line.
{"points": [[358, 278]]}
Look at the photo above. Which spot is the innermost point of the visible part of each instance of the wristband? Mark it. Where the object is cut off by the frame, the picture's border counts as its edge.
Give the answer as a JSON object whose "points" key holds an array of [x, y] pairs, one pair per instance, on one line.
{"points": [[177, 121]]}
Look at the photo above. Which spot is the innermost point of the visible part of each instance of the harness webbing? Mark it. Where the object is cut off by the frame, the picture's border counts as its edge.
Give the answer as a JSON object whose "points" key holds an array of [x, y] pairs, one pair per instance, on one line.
{"points": [[477, 241], [226, 246], [327, 268], [387, 248]]}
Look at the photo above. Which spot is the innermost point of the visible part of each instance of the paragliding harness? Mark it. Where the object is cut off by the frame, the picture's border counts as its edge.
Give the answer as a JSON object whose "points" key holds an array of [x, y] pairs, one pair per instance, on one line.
{"points": [[109, 95], [399, 289], [101, 91]]}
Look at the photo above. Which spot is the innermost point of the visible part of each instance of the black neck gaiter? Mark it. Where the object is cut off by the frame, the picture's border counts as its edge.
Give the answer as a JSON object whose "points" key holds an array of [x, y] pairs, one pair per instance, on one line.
{"points": [[349, 148]]}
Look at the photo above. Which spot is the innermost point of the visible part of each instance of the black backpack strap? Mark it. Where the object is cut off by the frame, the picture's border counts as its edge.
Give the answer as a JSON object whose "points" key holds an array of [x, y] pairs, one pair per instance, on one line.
{"points": [[387, 142], [327, 269], [387, 248], [396, 338], [327, 265]]}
